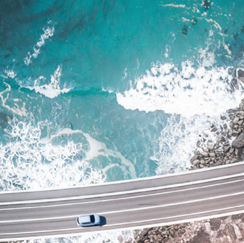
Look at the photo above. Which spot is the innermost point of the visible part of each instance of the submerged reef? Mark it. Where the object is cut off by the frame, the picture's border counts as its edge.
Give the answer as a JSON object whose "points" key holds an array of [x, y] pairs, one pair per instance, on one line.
{"points": [[184, 30]]}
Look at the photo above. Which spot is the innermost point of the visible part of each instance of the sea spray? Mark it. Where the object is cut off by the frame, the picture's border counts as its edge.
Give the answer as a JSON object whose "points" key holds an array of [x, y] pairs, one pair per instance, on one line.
{"points": [[187, 91]]}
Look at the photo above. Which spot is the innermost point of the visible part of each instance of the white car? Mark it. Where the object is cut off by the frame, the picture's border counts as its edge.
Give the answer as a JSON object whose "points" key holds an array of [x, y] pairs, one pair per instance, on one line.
{"points": [[88, 220]]}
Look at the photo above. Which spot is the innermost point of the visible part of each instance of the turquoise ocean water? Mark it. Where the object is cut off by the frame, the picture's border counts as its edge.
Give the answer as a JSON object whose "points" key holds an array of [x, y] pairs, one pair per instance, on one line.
{"points": [[99, 91]]}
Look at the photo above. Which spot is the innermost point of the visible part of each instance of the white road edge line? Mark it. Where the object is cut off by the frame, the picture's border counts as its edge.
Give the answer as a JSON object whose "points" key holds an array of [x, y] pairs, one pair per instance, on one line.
{"points": [[126, 210], [144, 226], [137, 179], [121, 193], [125, 198], [182, 215]]}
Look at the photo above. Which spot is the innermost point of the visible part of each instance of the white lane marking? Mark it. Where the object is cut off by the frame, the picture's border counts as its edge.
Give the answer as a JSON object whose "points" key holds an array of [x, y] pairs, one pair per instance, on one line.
{"points": [[122, 192], [112, 230], [126, 210], [177, 216], [203, 170], [173, 204], [123, 198], [141, 221]]}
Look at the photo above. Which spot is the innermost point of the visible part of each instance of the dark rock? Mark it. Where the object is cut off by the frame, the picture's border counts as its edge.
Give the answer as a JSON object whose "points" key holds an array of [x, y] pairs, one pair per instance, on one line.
{"points": [[70, 125], [229, 231], [210, 147], [184, 30], [226, 149], [240, 73], [240, 155], [234, 85], [195, 157], [232, 150], [193, 21], [136, 233], [235, 120], [145, 231], [235, 35], [223, 117], [212, 155], [237, 216], [235, 133], [206, 4], [236, 151], [240, 122], [239, 141], [232, 111], [196, 152], [217, 163], [241, 106], [215, 224], [201, 237], [155, 237], [205, 154], [214, 129], [4, 119]]}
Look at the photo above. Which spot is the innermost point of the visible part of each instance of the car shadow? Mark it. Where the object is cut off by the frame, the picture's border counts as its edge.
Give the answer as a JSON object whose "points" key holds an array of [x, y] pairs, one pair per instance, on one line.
{"points": [[103, 221]]}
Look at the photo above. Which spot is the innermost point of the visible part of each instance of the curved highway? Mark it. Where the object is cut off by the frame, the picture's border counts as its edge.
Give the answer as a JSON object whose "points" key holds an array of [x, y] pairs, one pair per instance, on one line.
{"points": [[147, 202]]}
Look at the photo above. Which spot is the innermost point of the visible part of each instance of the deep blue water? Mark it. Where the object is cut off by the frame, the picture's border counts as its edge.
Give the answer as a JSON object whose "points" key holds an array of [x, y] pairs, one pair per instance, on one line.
{"points": [[100, 91]]}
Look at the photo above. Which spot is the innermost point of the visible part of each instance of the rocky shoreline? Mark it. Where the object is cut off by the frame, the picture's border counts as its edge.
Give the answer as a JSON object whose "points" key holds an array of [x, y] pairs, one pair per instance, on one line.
{"points": [[228, 149], [219, 230], [229, 146]]}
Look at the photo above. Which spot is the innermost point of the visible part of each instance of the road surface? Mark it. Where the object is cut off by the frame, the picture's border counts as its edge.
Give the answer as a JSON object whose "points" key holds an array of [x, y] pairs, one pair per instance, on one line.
{"points": [[133, 204]]}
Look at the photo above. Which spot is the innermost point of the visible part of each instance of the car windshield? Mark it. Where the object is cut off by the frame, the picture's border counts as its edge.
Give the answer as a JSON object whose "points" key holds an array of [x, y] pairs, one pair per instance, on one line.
{"points": [[92, 218]]}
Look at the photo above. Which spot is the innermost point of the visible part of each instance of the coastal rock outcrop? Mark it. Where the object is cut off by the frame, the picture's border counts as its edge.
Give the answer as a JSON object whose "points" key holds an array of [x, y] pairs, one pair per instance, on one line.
{"points": [[239, 141], [223, 151], [228, 148], [240, 73], [225, 229]]}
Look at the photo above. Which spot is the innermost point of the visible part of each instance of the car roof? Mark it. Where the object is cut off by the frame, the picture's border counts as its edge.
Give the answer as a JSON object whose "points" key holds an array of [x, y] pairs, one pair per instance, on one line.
{"points": [[85, 218]]}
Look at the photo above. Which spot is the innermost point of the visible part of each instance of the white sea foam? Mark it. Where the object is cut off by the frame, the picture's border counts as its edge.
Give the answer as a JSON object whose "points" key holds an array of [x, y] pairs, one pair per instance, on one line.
{"points": [[195, 96], [174, 5], [179, 139], [28, 162], [9, 73], [17, 108], [98, 149], [216, 24], [104, 237], [52, 89], [48, 32], [187, 91]]}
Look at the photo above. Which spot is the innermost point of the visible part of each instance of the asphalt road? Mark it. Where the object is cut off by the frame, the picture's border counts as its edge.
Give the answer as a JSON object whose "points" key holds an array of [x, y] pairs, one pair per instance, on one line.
{"points": [[131, 204]]}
